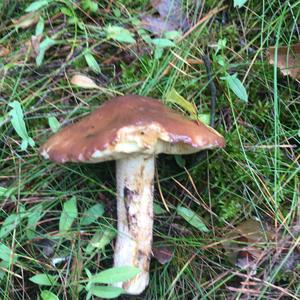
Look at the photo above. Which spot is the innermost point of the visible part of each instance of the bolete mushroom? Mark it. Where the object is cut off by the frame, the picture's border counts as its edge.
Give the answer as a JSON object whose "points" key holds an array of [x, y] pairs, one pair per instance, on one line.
{"points": [[131, 130]]}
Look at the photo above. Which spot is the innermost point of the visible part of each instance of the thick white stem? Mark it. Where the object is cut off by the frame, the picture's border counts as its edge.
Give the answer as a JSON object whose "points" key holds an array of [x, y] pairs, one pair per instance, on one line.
{"points": [[135, 218]]}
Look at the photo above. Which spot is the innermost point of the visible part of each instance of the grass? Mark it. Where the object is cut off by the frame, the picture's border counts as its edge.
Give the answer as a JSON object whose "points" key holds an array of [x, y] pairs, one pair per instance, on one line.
{"points": [[254, 176]]}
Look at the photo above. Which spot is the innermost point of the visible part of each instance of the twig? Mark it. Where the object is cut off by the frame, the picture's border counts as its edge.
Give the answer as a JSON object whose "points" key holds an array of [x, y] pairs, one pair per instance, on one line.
{"points": [[213, 90], [269, 284], [202, 20]]}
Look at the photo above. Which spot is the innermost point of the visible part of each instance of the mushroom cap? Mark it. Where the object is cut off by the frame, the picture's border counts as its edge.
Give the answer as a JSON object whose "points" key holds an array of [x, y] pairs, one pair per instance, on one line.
{"points": [[128, 125]]}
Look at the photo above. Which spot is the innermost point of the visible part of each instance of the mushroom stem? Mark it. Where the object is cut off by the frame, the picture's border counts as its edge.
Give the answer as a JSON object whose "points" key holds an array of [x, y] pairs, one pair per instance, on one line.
{"points": [[135, 218]]}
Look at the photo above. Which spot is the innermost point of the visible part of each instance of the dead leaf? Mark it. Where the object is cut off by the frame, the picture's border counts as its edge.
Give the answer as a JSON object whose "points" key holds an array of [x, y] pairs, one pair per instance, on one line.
{"points": [[27, 20], [84, 82], [253, 231], [174, 97], [171, 17], [288, 60], [3, 51], [29, 48], [244, 245], [157, 25], [169, 9], [35, 43], [26, 49], [162, 254], [194, 61]]}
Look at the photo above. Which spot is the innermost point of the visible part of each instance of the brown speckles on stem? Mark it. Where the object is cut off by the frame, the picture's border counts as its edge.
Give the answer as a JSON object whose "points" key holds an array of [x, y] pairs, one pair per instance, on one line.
{"points": [[142, 171], [127, 284], [142, 256], [143, 262], [130, 216], [129, 194]]}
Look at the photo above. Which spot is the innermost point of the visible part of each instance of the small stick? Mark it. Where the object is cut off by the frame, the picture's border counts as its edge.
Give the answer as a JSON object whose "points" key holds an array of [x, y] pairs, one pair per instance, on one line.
{"points": [[213, 90]]}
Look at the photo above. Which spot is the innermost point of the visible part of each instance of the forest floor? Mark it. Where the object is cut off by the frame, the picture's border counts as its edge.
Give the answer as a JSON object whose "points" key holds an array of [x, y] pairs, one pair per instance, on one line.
{"points": [[226, 221]]}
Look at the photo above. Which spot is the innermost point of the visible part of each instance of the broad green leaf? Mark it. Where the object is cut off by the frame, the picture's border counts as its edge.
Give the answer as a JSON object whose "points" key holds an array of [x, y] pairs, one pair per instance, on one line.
{"points": [[2, 274], [181, 162], [44, 279], [92, 63], [157, 209], [107, 236], [174, 97], [221, 61], [67, 12], [116, 12], [39, 29], [33, 216], [100, 239], [204, 118], [3, 265], [239, 3], [93, 6], [68, 215], [145, 36], [3, 191], [90, 283], [92, 214], [85, 4], [158, 52], [54, 124], [89, 5], [119, 34], [2, 121], [88, 273], [10, 223], [221, 44], [117, 274], [106, 292], [43, 47], [7, 254], [81, 24], [37, 5], [163, 43], [17, 121], [191, 217], [47, 295], [88, 296], [236, 86], [172, 35]]}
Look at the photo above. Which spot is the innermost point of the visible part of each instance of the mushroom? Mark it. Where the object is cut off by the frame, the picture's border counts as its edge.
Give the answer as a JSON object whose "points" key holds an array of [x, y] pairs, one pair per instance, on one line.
{"points": [[131, 130]]}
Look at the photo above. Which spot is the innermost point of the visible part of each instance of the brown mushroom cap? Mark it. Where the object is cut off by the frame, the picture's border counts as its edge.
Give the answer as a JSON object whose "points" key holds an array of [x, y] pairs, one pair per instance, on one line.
{"points": [[129, 125]]}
